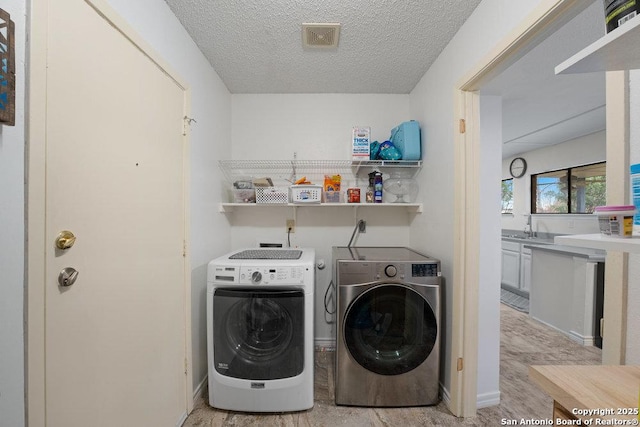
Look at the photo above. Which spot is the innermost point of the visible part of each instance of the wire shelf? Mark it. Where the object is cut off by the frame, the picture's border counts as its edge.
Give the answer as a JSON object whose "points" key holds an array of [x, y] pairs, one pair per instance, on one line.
{"points": [[288, 171]]}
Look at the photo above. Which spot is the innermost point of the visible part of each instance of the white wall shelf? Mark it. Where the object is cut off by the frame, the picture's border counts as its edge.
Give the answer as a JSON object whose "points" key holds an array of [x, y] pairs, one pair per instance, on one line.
{"points": [[284, 172], [599, 241], [414, 208], [617, 50]]}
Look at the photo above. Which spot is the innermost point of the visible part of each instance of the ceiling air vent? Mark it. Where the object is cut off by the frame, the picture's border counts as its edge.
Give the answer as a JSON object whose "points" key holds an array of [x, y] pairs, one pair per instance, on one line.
{"points": [[320, 35]]}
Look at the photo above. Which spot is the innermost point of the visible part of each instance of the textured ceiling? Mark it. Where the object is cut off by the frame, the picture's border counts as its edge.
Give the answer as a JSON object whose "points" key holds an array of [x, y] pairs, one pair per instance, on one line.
{"points": [[385, 46]]}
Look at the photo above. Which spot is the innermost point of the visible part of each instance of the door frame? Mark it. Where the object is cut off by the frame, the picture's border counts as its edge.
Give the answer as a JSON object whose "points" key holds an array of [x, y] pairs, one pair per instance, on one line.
{"points": [[546, 18], [36, 240]]}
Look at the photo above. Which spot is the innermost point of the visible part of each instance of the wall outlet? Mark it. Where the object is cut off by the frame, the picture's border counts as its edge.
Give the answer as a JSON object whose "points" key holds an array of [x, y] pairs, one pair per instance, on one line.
{"points": [[291, 225]]}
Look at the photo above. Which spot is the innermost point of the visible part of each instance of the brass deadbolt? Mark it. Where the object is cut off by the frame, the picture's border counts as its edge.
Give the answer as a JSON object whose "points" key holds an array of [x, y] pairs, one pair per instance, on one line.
{"points": [[65, 240]]}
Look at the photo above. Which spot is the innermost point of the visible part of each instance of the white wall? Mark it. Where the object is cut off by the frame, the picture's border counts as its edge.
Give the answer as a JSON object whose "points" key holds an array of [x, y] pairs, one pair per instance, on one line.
{"points": [[316, 127], [633, 297], [432, 105], [489, 297], [580, 151], [12, 251]]}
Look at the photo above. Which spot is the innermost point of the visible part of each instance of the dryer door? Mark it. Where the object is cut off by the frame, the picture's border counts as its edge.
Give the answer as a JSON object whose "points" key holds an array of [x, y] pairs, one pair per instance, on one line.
{"points": [[258, 334], [390, 329]]}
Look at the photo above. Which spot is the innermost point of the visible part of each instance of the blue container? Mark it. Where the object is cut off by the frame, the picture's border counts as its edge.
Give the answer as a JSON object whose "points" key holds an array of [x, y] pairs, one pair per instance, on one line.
{"points": [[635, 194], [406, 138], [377, 187]]}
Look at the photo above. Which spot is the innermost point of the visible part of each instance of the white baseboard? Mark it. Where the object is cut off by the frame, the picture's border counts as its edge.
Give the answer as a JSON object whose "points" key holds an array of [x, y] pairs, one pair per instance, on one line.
{"points": [[182, 419], [581, 339], [482, 400], [446, 396], [197, 393], [485, 400], [574, 336]]}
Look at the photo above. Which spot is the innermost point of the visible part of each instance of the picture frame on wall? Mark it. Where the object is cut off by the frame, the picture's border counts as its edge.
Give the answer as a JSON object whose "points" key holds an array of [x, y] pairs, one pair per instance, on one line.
{"points": [[7, 70]]}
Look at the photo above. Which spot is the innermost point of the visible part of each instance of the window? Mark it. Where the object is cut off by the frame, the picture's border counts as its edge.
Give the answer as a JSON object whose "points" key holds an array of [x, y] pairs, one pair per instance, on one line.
{"points": [[507, 196], [573, 190]]}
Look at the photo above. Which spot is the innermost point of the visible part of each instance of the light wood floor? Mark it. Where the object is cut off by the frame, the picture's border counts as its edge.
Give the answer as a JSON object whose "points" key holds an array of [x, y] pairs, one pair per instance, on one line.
{"points": [[524, 342]]}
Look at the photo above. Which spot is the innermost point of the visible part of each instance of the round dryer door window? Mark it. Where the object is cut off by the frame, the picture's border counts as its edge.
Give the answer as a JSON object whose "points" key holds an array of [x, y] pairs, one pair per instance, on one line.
{"points": [[258, 334], [390, 329]]}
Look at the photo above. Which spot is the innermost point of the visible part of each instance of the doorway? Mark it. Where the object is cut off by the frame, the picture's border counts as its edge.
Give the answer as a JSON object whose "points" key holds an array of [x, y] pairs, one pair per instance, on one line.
{"points": [[545, 19], [554, 125]]}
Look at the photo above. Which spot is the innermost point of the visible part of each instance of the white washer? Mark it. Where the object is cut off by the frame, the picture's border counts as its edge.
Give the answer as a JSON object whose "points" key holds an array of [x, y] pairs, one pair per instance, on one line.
{"points": [[260, 330]]}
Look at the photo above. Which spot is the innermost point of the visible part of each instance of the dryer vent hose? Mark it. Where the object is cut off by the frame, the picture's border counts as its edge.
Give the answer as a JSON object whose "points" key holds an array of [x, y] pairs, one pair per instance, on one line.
{"points": [[357, 227]]}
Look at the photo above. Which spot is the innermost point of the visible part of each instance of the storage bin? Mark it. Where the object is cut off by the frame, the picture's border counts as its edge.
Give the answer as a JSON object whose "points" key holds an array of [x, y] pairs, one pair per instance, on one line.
{"points": [[616, 221], [272, 195], [306, 193], [406, 138]]}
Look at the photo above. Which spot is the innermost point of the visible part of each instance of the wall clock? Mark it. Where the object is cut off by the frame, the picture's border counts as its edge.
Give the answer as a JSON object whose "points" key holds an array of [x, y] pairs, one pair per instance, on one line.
{"points": [[518, 167]]}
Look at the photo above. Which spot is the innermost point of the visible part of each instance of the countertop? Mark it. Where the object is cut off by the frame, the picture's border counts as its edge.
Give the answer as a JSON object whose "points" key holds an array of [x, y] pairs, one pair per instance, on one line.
{"points": [[545, 243], [531, 240], [600, 388], [594, 255]]}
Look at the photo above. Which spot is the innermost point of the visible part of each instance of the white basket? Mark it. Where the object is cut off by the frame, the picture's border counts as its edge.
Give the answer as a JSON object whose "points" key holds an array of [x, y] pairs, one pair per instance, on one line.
{"points": [[271, 195], [306, 193]]}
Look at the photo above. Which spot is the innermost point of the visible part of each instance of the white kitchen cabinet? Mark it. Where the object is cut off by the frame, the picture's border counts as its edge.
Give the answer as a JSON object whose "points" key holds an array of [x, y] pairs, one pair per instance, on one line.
{"points": [[511, 264], [525, 270], [563, 291], [516, 267]]}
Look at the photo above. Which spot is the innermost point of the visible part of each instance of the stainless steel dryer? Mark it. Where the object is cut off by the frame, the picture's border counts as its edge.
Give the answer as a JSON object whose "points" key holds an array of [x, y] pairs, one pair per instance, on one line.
{"points": [[388, 330]]}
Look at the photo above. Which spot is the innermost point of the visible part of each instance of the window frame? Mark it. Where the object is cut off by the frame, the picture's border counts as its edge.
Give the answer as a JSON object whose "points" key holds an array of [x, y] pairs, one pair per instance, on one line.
{"points": [[502, 211], [533, 189]]}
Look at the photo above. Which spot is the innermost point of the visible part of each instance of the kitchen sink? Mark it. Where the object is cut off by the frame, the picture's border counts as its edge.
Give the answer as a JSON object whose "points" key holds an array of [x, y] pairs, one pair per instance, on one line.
{"points": [[531, 239]]}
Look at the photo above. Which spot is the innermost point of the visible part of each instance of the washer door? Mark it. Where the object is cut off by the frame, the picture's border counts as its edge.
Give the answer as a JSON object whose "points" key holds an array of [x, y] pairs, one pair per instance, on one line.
{"points": [[258, 335], [390, 329]]}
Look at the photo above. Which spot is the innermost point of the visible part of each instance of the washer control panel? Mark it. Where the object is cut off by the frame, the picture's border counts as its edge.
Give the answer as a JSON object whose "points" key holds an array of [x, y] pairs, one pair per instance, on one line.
{"points": [[270, 275]]}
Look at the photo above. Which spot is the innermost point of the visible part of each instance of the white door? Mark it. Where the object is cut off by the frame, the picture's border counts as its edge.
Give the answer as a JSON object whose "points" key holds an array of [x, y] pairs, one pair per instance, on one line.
{"points": [[115, 340]]}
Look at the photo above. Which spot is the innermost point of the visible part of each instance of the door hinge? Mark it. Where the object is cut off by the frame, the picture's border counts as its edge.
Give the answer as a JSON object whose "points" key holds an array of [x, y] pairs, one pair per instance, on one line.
{"points": [[184, 248], [463, 126], [602, 327], [460, 364], [186, 121], [186, 366]]}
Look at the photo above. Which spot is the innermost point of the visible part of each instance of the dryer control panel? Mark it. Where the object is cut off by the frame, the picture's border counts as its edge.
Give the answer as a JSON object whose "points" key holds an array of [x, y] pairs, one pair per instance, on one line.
{"points": [[271, 275], [425, 270]]}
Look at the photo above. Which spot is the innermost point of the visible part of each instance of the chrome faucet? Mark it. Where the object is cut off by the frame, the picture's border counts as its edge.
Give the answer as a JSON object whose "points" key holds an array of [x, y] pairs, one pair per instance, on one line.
{"points": [[528, 228]]}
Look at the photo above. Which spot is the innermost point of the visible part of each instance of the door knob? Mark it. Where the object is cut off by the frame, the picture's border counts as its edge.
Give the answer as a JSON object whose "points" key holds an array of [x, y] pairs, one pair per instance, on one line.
{"points": [[67, 276], [65, 240]]}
